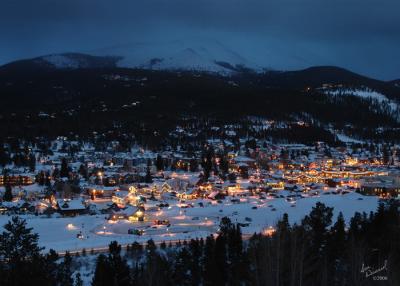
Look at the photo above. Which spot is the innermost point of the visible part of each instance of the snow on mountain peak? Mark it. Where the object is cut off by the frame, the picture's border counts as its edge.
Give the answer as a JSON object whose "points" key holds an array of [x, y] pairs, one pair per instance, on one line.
{"points": [[61, 61], [201, 55]]}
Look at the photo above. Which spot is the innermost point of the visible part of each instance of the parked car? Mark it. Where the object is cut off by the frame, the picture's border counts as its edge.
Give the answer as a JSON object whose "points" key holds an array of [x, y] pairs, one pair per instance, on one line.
{"points": [[135, 231], [161, 222]]}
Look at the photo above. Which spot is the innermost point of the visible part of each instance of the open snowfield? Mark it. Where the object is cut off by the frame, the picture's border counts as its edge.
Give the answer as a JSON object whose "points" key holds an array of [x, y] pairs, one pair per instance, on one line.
{"points": [[61, 233]]}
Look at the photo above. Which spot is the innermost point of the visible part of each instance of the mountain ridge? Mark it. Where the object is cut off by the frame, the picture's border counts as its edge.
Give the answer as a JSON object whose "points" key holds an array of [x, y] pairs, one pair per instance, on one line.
{"points": [[192, 61], [95, 99], [62, 61], [311, 77]]}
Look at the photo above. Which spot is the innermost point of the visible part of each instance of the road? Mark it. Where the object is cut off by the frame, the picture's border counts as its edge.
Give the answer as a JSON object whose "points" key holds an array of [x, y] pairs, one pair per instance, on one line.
{"points": [[104, 249]]}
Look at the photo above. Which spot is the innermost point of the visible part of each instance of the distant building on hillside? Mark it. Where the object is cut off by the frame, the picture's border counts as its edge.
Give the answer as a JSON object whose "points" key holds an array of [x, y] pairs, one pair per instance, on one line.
{"points": [[16, 180]]}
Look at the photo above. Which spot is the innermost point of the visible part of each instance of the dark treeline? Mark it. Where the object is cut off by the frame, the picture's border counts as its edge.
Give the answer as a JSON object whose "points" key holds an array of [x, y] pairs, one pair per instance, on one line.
{"points": [[316, 252], [320, 250], [146, 105]]}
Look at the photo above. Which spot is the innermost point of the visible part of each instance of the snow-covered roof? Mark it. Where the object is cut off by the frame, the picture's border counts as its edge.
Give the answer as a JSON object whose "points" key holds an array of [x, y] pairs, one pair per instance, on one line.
{"points": [[73, 204]]}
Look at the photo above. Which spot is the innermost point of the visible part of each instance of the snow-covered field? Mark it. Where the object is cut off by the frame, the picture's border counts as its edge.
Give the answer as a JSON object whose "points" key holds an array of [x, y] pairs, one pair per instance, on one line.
{"points": [[61, 233]]}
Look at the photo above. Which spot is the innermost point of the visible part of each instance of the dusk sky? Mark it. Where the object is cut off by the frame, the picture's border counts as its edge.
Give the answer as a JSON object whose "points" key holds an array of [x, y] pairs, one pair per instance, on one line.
{"points": [[361, 35]]}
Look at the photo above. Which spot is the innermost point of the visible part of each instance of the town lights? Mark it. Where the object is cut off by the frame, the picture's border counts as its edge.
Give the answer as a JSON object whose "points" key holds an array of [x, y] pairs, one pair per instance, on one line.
{"points": [[269, 231]]}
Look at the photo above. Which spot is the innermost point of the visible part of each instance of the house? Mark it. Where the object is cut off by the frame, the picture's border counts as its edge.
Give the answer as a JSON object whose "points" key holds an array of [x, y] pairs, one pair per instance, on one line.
{"points": [[71, 207], [16, 180], [243, 161], [188, 194], [124, 198], [166, 188], [216, 195], [382, 186], [130, 213], [100, 191]]}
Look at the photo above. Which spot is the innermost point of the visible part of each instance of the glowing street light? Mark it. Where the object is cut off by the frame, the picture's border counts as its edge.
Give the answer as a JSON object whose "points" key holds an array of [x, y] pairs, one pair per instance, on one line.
{"points": [[70, 226]]}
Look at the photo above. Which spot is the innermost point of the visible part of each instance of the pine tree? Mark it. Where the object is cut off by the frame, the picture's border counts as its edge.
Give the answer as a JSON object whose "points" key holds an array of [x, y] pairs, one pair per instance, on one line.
{"points": [[225, 226], [316, 224], [64, 277], [194, 265], [232, 178], [64, 172], [4, 156], [157, 270], [56, 173], [32, 162], [159, 163], [283, 225], [281, 244], [83, 171], [221, 260], [8, 193], [209, 264], [207, 161], [119, 267], [17, 242], [236, 267], [102, 275], [136, 249], [78, 280], [386, 154], [47, 179], [336, 249], [182, 275], [40, 178], [19, 247], [193, 165], [51, 267], [223, 165], [148, 178], [338, 236]]}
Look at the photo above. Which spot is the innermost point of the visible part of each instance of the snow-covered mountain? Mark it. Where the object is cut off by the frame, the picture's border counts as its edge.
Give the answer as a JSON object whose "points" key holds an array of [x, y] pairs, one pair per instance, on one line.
{"points": [[200, 55], [194, 55], [70, 61]]}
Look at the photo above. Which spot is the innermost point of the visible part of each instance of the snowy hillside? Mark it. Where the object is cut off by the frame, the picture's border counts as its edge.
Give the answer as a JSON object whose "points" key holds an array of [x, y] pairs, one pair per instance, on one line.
{"points": [[61, 61], [201, 55], [365, 93], [76, 61]]}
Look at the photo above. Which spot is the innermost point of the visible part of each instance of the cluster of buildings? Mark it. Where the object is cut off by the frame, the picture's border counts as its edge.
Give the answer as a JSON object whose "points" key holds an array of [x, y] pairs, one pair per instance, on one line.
{"points": [[119, 183]]}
